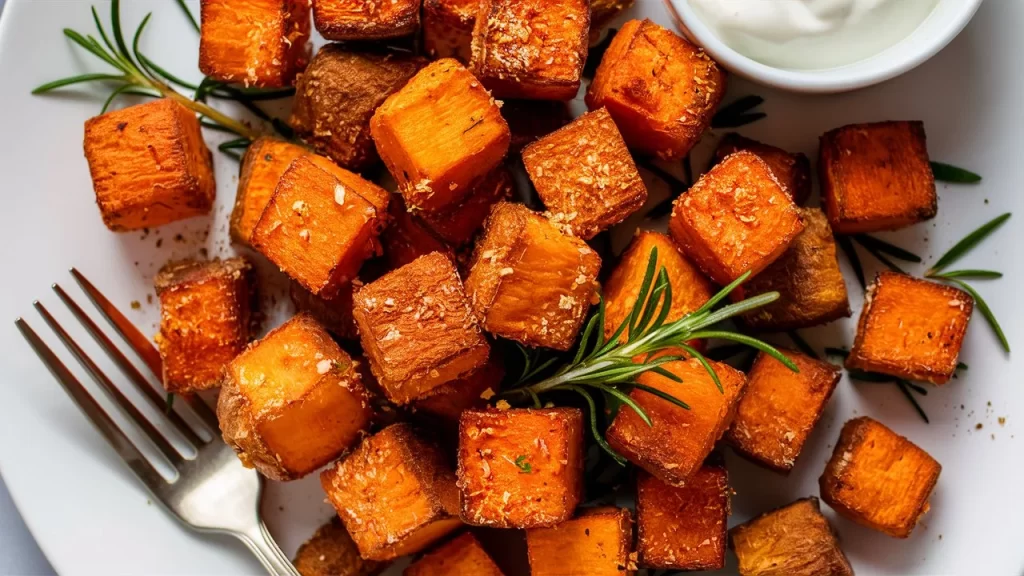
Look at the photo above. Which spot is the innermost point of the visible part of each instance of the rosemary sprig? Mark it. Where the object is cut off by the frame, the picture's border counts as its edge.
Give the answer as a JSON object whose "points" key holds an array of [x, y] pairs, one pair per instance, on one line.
{"points": [[948, 173], [846, 245], [967, 243], [738, 113], [905, 386]]}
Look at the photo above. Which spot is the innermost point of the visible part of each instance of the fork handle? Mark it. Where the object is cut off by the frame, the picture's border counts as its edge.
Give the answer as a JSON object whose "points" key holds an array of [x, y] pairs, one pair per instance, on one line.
{"points": [[262, 544]]}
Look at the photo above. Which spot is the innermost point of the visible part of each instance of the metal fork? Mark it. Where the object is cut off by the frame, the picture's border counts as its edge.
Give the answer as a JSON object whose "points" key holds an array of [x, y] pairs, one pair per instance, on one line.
{"points": [[212, 492]]}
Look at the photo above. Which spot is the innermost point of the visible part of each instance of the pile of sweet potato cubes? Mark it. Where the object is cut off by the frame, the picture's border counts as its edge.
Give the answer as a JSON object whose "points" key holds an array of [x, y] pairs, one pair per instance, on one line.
{"points": [[404, 294]]}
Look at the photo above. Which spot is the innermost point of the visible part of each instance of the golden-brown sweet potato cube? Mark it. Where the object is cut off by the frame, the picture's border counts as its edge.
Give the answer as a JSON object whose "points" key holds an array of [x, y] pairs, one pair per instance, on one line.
{"points": [[876, 177], [661, 90], [335, 314], [417, 328], [406, 237], [262, 44], [264, 163], [321, 224], [598, 542], [459, 224], [331, 552], [679, 440], [780, 408], [735, 219], [520, 468], [462, 555], [585, 175], [683, 528], [529, 282], [450, 399], [793, 171], [911, 328], [531, 48], [149, 165], [366, 19], [337, 95], [205, 315], [528, 120], [878, 478], [690, 288], [395, 493], [795, 540], [448, 28], [292, 402], [604, 11], [807, 277], [440, 135]]}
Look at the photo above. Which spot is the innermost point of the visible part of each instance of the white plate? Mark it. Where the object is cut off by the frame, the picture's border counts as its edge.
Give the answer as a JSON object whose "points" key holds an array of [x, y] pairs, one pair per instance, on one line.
{"points": [[91, 516]]}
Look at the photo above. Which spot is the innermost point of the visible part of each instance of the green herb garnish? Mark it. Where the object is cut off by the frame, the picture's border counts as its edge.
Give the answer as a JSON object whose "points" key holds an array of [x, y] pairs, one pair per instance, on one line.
{"points": [[169, 403], [905, 386], [738, 113], [523, 465], [948, 173], [847, 247]]}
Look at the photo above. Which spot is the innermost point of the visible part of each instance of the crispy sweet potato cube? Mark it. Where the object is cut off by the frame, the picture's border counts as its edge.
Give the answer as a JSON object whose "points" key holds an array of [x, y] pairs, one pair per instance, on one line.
{"points": [[679, 440], [690, 288], [661, 90], [876, 177], [911, 328], [335, 314], [462, 555], [331, 552], [795, 540], [878, 478], [366, 19], [450, 399], [598, 542], [459, 224], [440, 135], [262, 44], [293, 401], [337, 95], [520, 468], [585, 175], [735, 219], [529, 120], [266, 160], [604, 11], [683, 528], [395, 493], [406, 237], [807, 277], [448, 28], [149, 165], [205, 315], [529, 282], [321, 224], [793, 171], [417, 328], [780, 408], [531, 48]]}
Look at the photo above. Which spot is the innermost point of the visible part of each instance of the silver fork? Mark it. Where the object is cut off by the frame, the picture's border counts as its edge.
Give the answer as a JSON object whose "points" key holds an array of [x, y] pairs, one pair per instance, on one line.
{"points": [[212, 492]]}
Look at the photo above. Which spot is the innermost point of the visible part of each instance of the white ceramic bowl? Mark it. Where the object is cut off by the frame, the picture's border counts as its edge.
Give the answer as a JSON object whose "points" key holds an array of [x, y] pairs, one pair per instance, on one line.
{"points": [[946, 21]]}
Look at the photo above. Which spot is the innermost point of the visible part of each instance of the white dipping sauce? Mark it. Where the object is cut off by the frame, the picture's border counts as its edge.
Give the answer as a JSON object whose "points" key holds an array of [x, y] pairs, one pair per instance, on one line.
{"points": [[810, 34]]}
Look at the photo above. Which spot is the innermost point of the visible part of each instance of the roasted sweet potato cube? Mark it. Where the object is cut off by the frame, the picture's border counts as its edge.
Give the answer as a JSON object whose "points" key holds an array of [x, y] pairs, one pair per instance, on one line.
{"points": [[366, 19], [529, 120], [795, 540], [878, 478], [417, 328], [876, 177], [406, 237], [598, 542], [459, 224], [395, 493], [293, 401], [149, 165], [661, 90], [448, 28], [321, 224], [585, 175], [335, 314], [529, 282], [266, 160], [911, 328], [440, 135], [679, 440], [735, 219], [780, 408], [793, 171], [205, 315], [331, 552], [807, 277], [683, 528], [450, 399], [604, 11], [462, 555], [690, 288], [520, 468], [337, 95], [531, 48], [262, 44]]}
